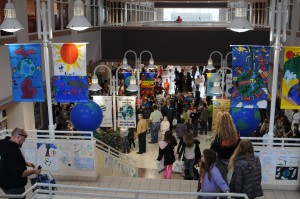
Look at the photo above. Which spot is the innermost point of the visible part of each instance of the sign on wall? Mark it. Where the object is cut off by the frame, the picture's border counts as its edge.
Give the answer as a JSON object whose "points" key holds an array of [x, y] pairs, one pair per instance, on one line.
{"points": [[126, 111], [105, 103]]}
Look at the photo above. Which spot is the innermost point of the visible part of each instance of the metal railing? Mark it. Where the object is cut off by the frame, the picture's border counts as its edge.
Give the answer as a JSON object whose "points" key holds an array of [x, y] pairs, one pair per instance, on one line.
{"points": [[55, 135], [274, 142], [88, 192]]}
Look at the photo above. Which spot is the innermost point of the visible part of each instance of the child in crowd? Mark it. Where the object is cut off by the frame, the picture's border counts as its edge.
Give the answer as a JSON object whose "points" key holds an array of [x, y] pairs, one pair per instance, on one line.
{"points": [[166, 152], [246, 177], [211, 179], [164, 125], [191, 156]]}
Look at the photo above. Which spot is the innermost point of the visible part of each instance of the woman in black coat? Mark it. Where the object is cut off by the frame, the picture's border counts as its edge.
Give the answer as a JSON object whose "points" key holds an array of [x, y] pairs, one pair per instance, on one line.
{"points": [[246, 176]]}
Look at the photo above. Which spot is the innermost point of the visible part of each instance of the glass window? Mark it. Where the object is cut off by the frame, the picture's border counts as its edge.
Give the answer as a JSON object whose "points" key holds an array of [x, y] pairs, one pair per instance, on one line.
{"points": [[192, 14], [94, 12], [61, 18], [31, 16]]}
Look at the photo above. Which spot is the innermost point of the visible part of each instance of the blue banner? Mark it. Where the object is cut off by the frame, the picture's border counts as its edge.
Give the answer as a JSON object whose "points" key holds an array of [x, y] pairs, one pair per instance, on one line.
{"points": [[70, 88], [26, 70], [250, 71]]}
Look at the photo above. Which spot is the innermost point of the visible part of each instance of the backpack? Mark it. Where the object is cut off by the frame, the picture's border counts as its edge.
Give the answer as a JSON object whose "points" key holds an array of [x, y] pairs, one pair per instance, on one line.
{"points": [[43, 178]]}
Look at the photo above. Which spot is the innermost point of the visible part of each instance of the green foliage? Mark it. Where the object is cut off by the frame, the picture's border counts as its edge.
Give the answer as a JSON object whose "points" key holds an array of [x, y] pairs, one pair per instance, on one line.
{"points": [[111, 138]]}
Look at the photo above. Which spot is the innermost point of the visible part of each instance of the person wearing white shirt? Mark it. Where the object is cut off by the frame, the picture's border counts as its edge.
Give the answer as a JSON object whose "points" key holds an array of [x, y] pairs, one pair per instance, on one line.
{"points": [[197, 82], [295, 117], [164, 125]]}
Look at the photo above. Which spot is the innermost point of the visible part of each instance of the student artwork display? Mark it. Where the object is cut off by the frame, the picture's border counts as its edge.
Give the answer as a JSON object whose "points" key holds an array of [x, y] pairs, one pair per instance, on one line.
{"points": [[105, 103], [66, 157], [47, 156], [70, 77], [26, 70], [290, 96], [228, 82], [211, 78], [286, 173], [83, 156], [250, 70], [126, 111], [147, 84]]}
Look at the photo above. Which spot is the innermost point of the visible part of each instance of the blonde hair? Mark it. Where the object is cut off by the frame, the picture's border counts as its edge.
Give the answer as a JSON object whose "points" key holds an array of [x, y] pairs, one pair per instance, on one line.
{"points": [[245, 148], [225, 127]]}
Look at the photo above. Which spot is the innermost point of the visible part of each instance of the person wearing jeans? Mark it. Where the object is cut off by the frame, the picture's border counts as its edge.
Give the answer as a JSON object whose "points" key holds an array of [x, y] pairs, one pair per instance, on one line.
{"points": [[155, 118]]}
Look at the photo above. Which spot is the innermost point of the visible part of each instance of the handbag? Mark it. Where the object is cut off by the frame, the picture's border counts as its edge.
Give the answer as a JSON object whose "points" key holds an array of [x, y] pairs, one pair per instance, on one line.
{"points": [[43, 178], [159, 165], [177, 166]]}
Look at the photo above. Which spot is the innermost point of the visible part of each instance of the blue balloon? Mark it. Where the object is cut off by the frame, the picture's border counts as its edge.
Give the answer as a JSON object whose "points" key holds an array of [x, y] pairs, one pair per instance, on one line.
{"points": [[246, 120], [86, 116]]}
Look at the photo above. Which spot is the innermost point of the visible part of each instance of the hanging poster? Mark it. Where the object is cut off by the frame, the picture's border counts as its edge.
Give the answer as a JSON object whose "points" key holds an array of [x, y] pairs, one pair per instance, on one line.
{"points": [[29, 154], [219, 105], [70, 76], [26, 70], [147, 84], [86, 164], [126, 111], [268, 161], [47, 156], [211, 78], [290, 96], [105, 103], [66, 156], [250, 70], [85, 150], [288, 158], [286, 173]]}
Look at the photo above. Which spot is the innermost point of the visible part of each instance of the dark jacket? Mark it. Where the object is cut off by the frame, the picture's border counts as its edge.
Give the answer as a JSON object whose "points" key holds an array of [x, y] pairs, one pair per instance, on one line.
{"points": [[246, 178], [166, 151], [224, 152], [197, 151], [169, 112], [12, 165]]}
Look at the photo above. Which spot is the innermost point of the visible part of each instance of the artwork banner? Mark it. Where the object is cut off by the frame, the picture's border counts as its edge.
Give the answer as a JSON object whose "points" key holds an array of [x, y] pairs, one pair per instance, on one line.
{"points": [[26, 70], [69, 59], [105, 103], [228, 82], [211, 77], [47, 156], [290, 95], [250, 71], [147, 84], [126, 111], [286, 173], [71, 88]]}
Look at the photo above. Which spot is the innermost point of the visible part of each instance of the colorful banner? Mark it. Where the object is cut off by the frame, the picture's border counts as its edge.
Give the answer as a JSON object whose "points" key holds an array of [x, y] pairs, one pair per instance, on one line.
{"points": [[250, 70], [105, 103], [70, 76], [211, 78], [290, 96], [26, 67], [147, 85], [126, 111], [70, 88], [219, 105]]}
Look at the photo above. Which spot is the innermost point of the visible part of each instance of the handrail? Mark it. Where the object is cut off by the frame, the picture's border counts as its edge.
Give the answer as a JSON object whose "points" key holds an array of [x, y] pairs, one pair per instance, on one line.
{"points": [[114, 152], [137, 193], [275, 142], [45, 134]]}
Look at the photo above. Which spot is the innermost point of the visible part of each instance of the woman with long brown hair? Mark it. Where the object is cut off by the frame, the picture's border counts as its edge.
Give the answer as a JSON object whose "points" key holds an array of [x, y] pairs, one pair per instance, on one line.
{"points": [[246, 176], [226, 139], [211, 180]]}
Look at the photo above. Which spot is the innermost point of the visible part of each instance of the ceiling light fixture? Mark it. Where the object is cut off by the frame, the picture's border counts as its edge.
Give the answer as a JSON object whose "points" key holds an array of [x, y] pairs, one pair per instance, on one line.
{"points": [[240, 22], [79, 22], [10, 23]]}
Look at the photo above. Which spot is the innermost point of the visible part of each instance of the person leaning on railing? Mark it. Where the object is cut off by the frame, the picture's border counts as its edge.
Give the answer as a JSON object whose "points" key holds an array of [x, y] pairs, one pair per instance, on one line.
{"points": [[13, 167]]}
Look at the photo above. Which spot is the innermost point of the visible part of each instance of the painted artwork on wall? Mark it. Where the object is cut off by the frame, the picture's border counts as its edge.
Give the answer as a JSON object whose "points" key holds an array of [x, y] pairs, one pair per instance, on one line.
{"points": [[26, 70], [47, 156], [70, 76], [290, 96], [250, 71], [86, 164], [66, 157], [286, 173]]}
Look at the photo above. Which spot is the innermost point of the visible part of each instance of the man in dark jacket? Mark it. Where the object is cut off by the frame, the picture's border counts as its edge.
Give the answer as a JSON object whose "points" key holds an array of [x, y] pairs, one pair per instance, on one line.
{"points": [[169, 111], [13, 167]]}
